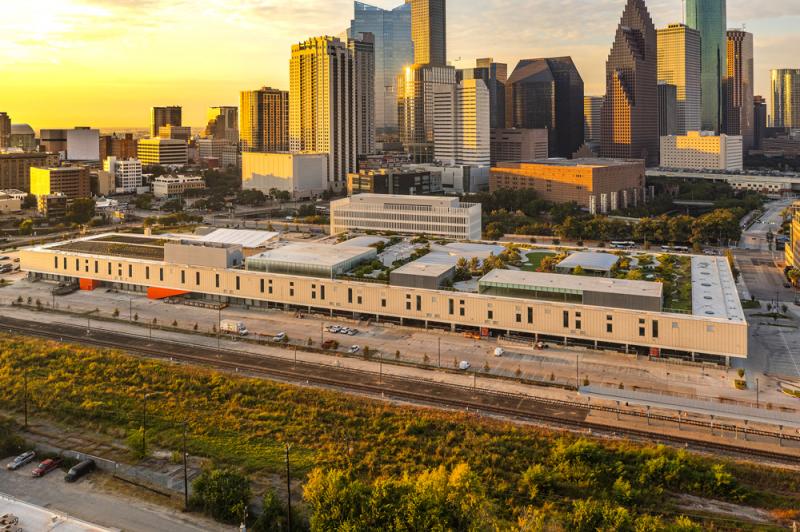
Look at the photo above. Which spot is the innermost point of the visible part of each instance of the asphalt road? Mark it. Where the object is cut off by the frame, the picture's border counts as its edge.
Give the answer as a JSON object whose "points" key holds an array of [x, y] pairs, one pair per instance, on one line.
{"points": [[87, 501]]}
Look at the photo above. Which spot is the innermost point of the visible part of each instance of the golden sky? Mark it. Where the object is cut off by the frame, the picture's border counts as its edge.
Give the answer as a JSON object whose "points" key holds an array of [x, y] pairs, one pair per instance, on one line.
{"points": [[104, 63]]}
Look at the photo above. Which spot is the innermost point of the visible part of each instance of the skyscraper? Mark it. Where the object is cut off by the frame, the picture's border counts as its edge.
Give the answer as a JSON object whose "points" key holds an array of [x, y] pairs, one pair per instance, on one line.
{"points": [[679, 65], [667, 109], [786, 97], [759, 120], [710, 19], [548, 93], [417, 84], [223, 123], [429, 32], [324, 102], [164, 116], [461, 123], [264, 120], [592, 109], [630, 110], [494, 76], [393, 51], [5, 130], [739, 87], [363, 50]]}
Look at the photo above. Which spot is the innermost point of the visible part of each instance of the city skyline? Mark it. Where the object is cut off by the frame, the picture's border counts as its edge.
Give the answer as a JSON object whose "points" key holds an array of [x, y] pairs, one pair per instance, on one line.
{"points": [[122, 96]]}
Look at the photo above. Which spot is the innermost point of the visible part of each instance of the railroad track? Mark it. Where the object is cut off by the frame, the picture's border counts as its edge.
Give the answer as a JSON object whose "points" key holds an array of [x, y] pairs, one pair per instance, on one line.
{"points": [[556, 413]]}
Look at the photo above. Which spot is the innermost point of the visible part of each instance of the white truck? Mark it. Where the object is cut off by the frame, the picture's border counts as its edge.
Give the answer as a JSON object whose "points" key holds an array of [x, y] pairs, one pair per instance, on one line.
{"points": [[233, 327]]}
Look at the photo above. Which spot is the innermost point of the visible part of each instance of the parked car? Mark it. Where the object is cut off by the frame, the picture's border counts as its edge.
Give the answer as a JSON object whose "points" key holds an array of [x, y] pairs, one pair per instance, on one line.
{"points": [[280, 337], [464, 365], [498, 352], [335, 329], [344, 330], [352, 332], [21, 460], [46, 466], [233, 327], [87, 466], [4, 257], [354, 349]]}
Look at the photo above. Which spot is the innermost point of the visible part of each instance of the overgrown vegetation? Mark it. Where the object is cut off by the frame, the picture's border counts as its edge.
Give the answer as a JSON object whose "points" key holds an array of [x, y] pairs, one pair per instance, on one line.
{"points": [[372, 461]]}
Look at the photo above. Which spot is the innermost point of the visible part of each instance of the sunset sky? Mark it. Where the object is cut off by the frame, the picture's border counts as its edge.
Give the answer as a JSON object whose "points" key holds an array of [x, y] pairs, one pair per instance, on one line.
{"points": [[104, 63]]}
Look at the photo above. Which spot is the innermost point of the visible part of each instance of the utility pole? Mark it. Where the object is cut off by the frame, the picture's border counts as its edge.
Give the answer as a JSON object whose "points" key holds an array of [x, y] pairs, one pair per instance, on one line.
{"points": [[757, 398], [185, 471], [288, 491], [25, 395], [577, 372], [144, 424], [219, 325], [440, 351]]}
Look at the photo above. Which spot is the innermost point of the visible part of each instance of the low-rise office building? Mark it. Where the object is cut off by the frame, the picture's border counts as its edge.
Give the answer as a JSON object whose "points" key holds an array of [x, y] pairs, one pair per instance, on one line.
{"points": [[600, 185], [702, 150], [568, 310], [127, 175], [72, 181], [9, 203], [83, 144], [183, 133], [222, 150], [52, 205], [515, 145], [403, 181], [315, 260], [167, 186], [444, 217], [303, 175], [163, 152], [15, 168]]}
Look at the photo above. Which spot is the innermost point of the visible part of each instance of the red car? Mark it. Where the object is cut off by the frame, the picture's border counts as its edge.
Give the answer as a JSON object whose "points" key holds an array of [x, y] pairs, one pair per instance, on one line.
{"points": [[46, 466]]}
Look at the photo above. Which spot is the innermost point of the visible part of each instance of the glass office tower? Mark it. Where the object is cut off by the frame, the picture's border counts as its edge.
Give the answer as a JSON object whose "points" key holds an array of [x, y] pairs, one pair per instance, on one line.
{"points": [[785, 97], [710, 19], [393, 52]]}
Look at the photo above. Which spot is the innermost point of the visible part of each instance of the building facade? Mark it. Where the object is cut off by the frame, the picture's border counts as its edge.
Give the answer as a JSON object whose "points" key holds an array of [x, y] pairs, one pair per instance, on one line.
{"points": [[303, 175], [785, 97], [415, 96], [793, 246], [548, 93], [5, 130], [83, 144], [363, 52], [739, 82], [630, 110], [121, 147], [53, 141], [592, 115], [760, 115], [22, 137], [71, 181], [494, 76], [168, 186], [165, 116], [679, 53], [702, 151], [667, 109], [399, 181], [709, 17], [461, 124], [162, 152], [221, 150], [515, 145], [15, 168], [264, 120], [600, 185], [127, 174], [223, 123], [394, 50], [429, 32], [426, 215], [183, 133]]}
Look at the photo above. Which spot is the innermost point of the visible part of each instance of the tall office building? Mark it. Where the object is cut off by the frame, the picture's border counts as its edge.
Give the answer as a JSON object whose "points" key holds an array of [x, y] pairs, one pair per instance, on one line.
{"points": [[461, 124], [164, 116], [429, 32], [667, 109], [592, 109], [5, 130], [709, 17], [417, 84], [630, 110], [548, 93], [679, 65], [738, 119], [264, 120], [324, 102], [122, 147], [759, 120], [494, 76], [223, 123], [363, 50], [786, 97], [393, 51]]}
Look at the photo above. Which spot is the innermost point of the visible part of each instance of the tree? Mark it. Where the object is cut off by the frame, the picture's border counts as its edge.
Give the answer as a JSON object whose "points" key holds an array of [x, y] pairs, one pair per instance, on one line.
{"points": [[251, 197], [273, 515], [81, 210], [144, 202], [221, 493], [173, 205], [794, 276], [578, 270], [135, 443], [26, 227], [29, 202]]}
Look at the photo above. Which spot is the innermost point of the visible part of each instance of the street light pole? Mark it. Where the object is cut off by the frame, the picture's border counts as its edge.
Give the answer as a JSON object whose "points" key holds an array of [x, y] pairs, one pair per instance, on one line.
{"points": [[144, 425], [288, 490], [185, 471], [219, 325], [25, 395], [757, 392], [577, 372], [439, 338]]}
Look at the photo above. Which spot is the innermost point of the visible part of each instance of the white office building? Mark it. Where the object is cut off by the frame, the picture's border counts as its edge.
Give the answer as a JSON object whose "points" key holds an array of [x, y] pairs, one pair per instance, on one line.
{"points": [[127, 175], [163, 152], [461, 124], [444, 217], [303, 175], [702, 150], [167, 186], [83, 144]]}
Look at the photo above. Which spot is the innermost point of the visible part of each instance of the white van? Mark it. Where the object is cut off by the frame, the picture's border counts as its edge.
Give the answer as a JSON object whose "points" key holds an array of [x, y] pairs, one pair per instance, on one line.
{"points": [[233, 327]]}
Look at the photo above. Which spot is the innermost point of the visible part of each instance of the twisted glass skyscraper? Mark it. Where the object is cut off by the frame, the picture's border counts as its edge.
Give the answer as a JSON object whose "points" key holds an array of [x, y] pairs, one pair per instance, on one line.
{"points": [[710, 19]]}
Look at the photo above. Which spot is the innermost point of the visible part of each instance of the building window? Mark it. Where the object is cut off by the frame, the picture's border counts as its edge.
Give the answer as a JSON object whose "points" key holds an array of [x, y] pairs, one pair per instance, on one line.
{"points": [[261, 285], [238, 283], [349, 295], [641, 331], [408, 305], [197, 278], [419, 303], [183, 277], [609, 327], [461, 311], [130, 270], [147, 272], [358, 300], [566, 319], [161, 274], [655, 329], [109, 266], [451, 307], [270, 286], [77, 265], [490, 314], [322, 292], [519, 317], [530, 314], [383, 302], [64, 262]]}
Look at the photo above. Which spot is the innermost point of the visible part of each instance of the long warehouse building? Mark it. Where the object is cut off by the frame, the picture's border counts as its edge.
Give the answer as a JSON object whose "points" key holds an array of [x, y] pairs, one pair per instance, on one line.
{"points": [[507, 303]]}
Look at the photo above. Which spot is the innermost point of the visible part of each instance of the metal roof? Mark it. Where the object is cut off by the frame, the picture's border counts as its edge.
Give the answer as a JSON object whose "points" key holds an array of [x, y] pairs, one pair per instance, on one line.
{"points": [[572, 283], [247, 238], [714, 293], [324, 255], [601, 262]]}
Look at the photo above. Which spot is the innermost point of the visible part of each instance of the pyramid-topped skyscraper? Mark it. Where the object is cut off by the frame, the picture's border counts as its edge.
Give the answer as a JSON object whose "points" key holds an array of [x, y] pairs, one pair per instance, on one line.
{"points": [[630, 113]]}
